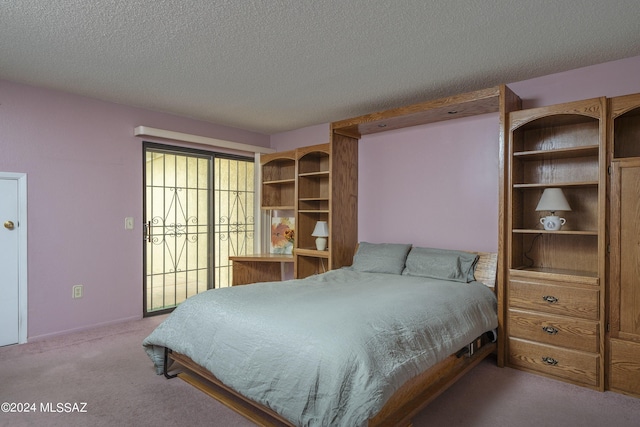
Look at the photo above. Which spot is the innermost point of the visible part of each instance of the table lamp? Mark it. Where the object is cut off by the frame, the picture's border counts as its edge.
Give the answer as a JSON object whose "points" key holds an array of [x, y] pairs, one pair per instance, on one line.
{"points": [[552, 200], [321, 231]]}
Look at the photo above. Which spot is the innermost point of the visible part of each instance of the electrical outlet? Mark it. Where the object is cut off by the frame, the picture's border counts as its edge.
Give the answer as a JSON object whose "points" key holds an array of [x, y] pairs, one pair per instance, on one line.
{"points": [[77, 291]]}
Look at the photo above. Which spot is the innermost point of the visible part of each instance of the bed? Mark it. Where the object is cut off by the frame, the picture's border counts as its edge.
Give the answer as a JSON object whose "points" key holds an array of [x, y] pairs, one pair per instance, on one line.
{"points": [[369, 344]]}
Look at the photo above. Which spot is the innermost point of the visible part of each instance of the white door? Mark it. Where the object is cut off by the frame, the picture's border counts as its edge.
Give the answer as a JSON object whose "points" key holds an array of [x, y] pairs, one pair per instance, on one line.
{"points": [[9, 263]]}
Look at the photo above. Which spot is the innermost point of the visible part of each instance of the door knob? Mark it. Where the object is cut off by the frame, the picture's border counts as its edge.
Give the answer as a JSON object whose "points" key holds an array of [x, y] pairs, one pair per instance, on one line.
{"points": [[9, 225]]}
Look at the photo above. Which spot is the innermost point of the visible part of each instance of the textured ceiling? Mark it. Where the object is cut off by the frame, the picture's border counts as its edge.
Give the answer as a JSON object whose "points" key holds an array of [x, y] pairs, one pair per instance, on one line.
{"points": [[271, 66]]}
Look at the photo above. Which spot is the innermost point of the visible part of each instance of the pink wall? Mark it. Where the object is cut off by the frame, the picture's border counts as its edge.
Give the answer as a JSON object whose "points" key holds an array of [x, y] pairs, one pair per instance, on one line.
{"points": [[434, 185], [84, 169]]}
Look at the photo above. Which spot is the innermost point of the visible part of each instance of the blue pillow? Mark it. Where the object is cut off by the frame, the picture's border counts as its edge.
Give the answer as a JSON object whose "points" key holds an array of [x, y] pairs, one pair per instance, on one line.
{"points": [[380, 257], [442, 264]]}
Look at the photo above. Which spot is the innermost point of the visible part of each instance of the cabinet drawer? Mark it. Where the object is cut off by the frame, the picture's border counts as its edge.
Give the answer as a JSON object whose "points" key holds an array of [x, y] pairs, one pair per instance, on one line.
{"points": [[624, 374], [555, 330], [576, 366], [554, 299]]}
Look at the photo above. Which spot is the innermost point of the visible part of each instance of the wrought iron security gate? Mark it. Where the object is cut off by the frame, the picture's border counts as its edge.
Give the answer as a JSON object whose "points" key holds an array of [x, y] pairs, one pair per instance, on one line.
{"points": [[199, 211]]}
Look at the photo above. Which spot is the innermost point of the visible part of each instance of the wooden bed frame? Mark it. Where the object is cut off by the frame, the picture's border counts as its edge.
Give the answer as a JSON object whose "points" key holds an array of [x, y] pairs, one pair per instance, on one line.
{"points": [[399, 410]]}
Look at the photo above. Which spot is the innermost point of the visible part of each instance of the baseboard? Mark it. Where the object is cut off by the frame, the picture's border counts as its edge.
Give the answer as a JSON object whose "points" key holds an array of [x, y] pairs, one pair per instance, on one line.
{"points": [[82, 328]]}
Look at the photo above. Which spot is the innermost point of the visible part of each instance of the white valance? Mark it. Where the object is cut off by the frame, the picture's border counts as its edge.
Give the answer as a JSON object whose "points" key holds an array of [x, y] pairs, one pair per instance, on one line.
{"points": [[185, 137]]}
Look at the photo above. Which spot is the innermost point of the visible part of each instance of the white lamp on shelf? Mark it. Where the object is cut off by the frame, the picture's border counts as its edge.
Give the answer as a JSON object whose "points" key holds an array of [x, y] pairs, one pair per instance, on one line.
{"points": [[552, 200], [321, 231]]}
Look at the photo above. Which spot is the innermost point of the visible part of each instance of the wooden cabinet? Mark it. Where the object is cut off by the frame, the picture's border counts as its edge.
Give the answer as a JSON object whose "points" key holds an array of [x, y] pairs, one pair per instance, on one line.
{"points": [[278, 193], [555, 278], [313, 205], [327, 191], [313, 184], [554, 328], [314, 192], [624, 230]]}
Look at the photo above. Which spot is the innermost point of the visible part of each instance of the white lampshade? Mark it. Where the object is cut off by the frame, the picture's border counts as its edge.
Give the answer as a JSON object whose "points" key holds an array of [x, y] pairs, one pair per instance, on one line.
{"points": [[321, 230], [553, 200]]}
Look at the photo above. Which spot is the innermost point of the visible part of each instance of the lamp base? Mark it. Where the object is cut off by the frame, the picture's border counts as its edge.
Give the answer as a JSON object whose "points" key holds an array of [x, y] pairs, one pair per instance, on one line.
{"points": [[321, 243], [552, 222]]}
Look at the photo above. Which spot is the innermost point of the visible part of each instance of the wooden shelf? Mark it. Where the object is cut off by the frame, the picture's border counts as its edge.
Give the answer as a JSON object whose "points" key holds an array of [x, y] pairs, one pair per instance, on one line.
{"points": [[280, 181], [321, 174], [313, 252], [564, 275], [263, 257], [538, 186], [561, 153], [566, 232], [278, 208]]}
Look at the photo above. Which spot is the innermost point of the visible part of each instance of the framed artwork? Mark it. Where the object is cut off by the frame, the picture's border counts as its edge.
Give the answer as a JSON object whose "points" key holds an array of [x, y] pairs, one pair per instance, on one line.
{"points": [[282, 235]]}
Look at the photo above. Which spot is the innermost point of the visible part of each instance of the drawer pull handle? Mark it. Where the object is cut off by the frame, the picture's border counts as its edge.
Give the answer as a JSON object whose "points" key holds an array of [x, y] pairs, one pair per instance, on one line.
{"points": [[550, 299], [549, 361], [550, 330]]}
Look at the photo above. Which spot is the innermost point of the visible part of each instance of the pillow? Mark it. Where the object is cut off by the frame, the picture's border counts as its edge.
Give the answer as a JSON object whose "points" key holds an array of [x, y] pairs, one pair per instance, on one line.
{"points": [[380, 257], [441, 264]]}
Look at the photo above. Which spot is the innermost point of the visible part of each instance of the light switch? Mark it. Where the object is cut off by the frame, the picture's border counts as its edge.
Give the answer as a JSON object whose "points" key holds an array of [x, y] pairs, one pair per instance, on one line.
{"points": [[128, 223]]}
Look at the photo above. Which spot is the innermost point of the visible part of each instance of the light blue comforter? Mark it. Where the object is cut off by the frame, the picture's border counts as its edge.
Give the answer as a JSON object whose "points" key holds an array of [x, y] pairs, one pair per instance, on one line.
{"points": [[328, 350]]}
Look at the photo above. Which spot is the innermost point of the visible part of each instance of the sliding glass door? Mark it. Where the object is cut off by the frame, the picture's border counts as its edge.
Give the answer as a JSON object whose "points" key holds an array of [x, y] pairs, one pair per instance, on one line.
{"points": [[198, 211]]}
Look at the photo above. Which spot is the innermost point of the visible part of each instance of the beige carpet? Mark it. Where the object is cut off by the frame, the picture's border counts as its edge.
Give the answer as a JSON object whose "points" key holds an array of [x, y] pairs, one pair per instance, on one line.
{"points": [[107, 369]]}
